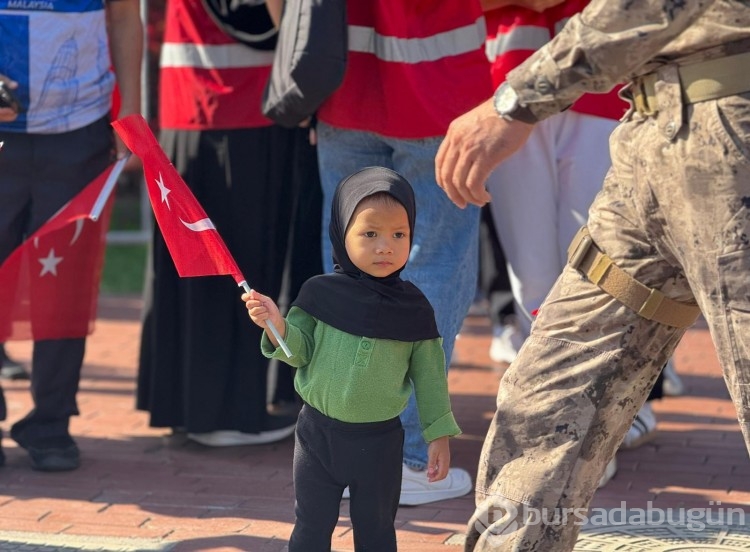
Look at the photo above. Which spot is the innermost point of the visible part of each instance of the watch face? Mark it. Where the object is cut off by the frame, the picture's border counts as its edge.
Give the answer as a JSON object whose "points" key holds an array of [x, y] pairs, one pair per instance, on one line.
{"points": [[506, 99]]}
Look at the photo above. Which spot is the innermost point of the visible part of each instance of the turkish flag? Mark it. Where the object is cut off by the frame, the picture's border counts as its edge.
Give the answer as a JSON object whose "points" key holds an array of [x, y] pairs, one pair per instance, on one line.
{"points": [[192, 239], [49, 285], [195, 245]]}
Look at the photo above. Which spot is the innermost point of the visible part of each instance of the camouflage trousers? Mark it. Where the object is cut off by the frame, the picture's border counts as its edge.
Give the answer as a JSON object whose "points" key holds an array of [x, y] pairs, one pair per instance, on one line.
{"points": [[674, 213]]}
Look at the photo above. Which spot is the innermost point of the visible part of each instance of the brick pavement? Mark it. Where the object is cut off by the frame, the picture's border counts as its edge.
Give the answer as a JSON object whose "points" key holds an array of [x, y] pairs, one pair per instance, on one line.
{"points": [[140, 489]]}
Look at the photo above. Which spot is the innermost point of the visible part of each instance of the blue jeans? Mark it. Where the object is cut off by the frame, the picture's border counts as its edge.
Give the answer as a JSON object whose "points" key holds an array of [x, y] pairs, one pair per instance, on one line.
{"points": [[443, 260]]}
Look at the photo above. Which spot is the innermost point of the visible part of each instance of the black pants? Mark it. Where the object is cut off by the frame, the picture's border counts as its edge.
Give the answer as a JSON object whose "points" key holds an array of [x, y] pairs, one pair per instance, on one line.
{"points": [[330, 455], [40, 173]]}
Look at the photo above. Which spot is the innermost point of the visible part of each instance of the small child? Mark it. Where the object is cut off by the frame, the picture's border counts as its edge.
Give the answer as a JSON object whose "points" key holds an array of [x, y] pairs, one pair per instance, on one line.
{"points": [[360, 338]]}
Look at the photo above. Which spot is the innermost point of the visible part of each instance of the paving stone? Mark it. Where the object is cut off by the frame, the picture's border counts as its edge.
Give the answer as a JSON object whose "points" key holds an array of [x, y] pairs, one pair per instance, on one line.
{"points": [[141, 488]]}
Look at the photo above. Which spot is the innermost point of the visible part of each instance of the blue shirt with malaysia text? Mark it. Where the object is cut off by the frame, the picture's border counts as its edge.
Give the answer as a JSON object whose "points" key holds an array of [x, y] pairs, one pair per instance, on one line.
{"points": [[57, 51]]}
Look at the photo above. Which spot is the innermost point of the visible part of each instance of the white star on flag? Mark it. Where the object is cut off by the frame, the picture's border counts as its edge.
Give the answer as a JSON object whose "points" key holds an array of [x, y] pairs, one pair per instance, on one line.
{"points": [[164, 190], [200, 252], [49, 263]]}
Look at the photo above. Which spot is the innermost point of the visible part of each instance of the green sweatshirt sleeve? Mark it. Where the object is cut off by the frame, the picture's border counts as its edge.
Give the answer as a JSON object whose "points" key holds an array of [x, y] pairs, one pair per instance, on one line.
{"points": [[300, 328], [427, 372]]}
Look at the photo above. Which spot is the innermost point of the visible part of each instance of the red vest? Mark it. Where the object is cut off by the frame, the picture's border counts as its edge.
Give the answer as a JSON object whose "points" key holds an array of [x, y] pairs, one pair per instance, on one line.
{"points": [[413, 67], [207, 79], [514, 33]]}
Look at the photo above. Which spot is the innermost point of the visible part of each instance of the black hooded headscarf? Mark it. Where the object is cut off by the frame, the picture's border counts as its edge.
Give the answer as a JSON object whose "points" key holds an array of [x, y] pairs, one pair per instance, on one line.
{"points": [[355, 302]]}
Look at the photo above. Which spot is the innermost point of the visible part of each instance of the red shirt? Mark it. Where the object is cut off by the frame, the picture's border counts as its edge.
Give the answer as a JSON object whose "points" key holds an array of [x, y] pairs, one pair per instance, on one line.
{"points": [[413, 67], [207, 79]]}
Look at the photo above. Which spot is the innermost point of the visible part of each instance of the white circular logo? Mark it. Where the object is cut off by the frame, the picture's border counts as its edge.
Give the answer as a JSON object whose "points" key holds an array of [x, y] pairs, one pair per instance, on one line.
{"points": [[497, 522]]}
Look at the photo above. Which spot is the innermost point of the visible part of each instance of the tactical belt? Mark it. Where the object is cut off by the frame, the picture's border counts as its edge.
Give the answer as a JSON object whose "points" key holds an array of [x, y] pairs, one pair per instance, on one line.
{"points": [[651, 304], [705, 80]]}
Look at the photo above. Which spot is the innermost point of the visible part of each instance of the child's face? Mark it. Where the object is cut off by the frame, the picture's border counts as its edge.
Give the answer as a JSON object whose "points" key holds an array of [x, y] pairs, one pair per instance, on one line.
{"points": [[377, 239]]}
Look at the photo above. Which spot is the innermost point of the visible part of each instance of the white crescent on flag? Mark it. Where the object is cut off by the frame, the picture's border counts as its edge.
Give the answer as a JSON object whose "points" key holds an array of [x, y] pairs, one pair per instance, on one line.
{"points": [[199, 225], [78, 230]]}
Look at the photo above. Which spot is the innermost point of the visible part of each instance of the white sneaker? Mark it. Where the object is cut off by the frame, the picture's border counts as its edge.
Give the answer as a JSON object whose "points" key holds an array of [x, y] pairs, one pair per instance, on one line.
{"points": [[643, 429], [415, 489], [237, 438], [672, 385], [506, 341], [609, 473]]}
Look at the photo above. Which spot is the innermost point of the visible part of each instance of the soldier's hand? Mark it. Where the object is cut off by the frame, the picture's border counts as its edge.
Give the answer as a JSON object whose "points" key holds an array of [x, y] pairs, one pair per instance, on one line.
{"points": [[474, 145]]}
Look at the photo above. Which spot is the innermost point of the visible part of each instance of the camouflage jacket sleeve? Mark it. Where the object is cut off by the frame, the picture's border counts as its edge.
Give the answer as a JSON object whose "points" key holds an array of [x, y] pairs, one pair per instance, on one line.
{"points": [[598, 48]]}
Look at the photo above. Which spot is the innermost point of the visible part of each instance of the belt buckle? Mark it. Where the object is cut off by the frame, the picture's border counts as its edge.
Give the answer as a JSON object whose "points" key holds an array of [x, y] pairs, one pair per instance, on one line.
{"points": [[579, 247], [641, 98]]}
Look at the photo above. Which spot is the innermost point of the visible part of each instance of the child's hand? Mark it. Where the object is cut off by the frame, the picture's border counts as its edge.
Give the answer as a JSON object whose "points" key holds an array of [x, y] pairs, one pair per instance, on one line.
{"points": [[438, 459], [262, 308]]}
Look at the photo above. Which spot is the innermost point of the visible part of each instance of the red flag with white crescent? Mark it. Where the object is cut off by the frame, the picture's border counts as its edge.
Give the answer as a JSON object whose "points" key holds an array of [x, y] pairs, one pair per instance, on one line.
{"points": [[195, 245], [49, 285]]}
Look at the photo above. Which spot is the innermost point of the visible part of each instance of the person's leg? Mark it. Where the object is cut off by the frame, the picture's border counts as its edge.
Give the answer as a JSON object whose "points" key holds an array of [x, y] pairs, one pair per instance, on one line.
{"points": [[443, 263], [672, 386], [524, 206], [582, 145], [709, 229], [11, 369], [317, 486], [15, 198], [579, 380], [582, 163], [374, 458], [494, 284], [63, 165], [43, 432]]}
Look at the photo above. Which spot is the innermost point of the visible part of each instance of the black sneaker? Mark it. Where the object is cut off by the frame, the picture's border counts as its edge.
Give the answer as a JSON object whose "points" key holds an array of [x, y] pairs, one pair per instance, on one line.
{"points": [[51, 453], [13, 370]]}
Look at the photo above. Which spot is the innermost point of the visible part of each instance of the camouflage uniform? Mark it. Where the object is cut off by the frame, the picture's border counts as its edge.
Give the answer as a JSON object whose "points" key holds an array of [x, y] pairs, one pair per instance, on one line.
{"points": [[674, 213]]}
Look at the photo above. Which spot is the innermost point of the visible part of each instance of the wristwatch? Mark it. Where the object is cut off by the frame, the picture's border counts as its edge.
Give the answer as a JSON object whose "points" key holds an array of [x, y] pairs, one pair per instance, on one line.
{"points": [[508, 106]]}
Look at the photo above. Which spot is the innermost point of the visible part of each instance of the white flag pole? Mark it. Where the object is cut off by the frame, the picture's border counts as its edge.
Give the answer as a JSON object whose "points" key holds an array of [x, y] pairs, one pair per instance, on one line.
{"points": [[274, 331], [109, 185]]}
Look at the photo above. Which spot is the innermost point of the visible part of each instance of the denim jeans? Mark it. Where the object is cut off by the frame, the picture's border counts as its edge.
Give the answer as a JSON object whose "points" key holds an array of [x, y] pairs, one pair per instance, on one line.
{"points": [[443, 260]]}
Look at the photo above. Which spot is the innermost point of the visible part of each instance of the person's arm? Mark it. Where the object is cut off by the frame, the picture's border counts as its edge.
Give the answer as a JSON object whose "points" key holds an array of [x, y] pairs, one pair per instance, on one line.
{"points": [[125, 30], [427, 373], [275, 8], [596, 50]]}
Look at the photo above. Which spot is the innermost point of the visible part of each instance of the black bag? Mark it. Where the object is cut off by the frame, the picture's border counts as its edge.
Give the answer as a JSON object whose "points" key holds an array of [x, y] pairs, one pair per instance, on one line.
{"points": [[309, 62], [248, 22]]}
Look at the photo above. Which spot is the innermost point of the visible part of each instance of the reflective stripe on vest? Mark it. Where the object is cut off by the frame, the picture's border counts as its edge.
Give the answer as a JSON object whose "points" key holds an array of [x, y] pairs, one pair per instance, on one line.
{"points": [[417, 50], [527, 37], [205, 56]]}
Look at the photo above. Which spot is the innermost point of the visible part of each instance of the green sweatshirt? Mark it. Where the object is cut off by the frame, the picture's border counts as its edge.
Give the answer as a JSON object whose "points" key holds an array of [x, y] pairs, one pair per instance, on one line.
{"points": [[359, 379]]}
